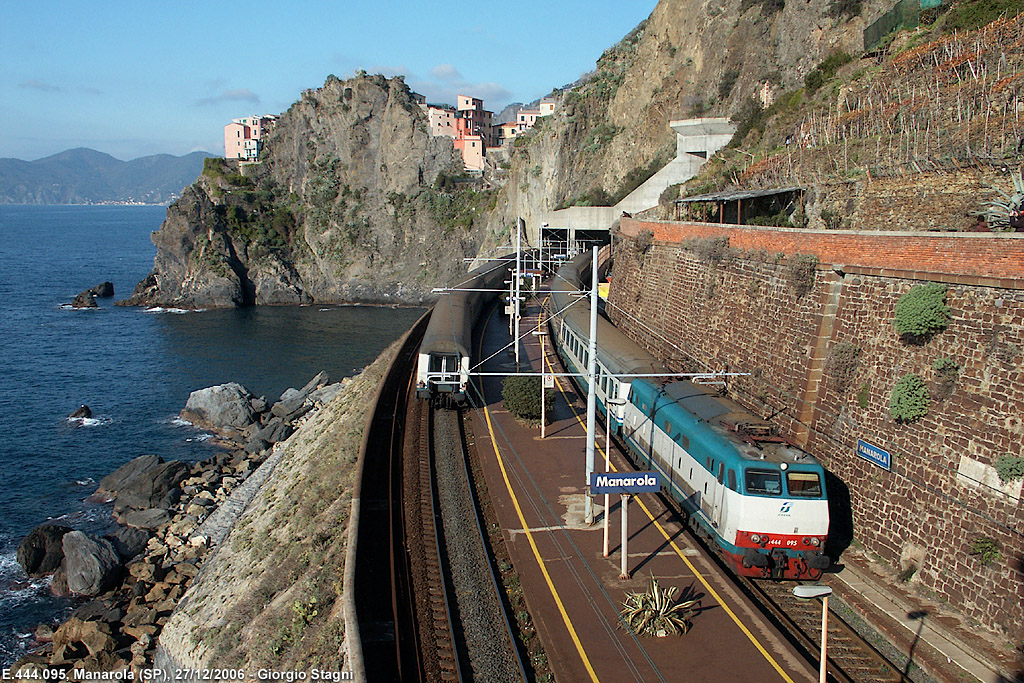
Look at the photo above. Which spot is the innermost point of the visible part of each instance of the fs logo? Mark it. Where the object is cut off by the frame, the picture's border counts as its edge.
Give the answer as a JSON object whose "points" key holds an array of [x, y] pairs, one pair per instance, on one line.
{"points": [[784, 510]]}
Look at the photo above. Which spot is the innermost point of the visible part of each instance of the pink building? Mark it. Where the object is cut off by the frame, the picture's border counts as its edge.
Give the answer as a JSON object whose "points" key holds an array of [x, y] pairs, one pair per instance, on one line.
{"points": [[526, 118], [441, 121], [243, 137], [473, 151]]}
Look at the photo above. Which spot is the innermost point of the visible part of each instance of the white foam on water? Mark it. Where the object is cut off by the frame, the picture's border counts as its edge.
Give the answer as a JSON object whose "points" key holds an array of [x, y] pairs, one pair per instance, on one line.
{"points": [[90, 421], [172, 310], [88, 481], [200, 438], [180, 422]]}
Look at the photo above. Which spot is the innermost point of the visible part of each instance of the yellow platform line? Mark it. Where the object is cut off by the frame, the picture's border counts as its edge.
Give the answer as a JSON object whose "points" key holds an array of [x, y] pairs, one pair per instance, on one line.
{"points": [[750, 636], [529, 536]]}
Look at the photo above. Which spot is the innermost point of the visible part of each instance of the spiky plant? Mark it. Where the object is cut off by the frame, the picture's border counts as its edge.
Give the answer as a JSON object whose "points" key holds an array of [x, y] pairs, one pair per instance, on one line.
{"points": [[999, 213], [657, 612]]}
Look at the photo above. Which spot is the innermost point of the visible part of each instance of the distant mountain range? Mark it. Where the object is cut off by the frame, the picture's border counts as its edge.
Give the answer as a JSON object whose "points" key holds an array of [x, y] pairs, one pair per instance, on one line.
{"points": [[85, 176]]}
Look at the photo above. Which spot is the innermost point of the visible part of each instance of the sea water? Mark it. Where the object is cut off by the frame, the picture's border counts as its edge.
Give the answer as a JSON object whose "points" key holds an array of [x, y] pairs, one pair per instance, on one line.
{"points": [[134, 368]]}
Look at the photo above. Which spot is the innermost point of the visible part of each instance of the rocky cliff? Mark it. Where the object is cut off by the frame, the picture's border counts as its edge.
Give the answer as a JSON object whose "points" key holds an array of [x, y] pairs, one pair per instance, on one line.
{"points": [[352, 201]]}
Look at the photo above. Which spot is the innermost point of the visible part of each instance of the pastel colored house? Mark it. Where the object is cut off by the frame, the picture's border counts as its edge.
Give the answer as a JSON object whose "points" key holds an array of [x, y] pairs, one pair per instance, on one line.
{"points": [[243, 137]]}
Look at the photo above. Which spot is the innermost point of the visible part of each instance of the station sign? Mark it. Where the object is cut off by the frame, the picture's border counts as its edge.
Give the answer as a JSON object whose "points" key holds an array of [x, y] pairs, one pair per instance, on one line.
{"points": [[875, 455], [624, 482]]}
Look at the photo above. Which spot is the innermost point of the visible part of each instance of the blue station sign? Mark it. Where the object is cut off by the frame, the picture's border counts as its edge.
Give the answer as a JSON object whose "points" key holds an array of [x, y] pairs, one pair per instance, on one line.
{"points": [[874, 454], [624, 482]]}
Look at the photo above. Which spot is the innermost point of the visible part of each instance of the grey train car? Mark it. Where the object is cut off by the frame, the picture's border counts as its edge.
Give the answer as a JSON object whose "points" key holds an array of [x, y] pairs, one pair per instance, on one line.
{"points": [[444, 360]]}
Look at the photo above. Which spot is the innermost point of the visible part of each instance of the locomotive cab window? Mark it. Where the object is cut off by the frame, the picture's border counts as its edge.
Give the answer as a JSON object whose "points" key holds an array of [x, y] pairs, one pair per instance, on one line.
{"points": [[804, 484], [764, 482], [732, 480]]}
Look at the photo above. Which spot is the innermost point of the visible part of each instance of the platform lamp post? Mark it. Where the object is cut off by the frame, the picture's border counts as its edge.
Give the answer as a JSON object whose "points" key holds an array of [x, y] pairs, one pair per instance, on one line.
{"points": [[607, 458], [808, 593], [543, 380]]}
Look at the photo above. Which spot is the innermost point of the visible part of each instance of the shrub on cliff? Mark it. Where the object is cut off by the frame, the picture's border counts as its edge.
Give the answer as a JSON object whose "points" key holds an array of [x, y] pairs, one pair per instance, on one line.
{"points": [[910, 400], [522, 397], [841, 364], [922, 312]]}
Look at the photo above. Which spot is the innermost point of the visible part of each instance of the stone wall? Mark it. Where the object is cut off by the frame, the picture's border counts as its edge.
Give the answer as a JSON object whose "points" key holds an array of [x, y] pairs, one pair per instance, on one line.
{"points": [[699, 305]]}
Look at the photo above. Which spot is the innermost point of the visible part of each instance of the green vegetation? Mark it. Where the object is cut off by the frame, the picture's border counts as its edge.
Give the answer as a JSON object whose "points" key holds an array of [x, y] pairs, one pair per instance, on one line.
{"points": [[657, 612], [710, 250], [522, 397], [863, 394], [986, 549], [922, 312], [1009, 468], [947, 371], [800, 273], [910, 400], [841, 364], [969, 15], [454, 203], [727, 82], [825, 71]]}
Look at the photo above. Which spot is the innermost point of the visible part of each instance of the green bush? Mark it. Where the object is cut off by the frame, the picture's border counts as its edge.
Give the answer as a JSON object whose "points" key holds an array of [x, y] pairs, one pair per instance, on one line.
{"points": [[922, 312], [947, 371], [910, 400], [841, 364], [522, 397], [1009, 468], [987, 549], [825, 71], [800, 273], [863, 394]]}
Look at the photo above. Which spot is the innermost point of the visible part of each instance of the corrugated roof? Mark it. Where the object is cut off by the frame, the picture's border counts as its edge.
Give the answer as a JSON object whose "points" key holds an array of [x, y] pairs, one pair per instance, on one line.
{"points": [[736, 194]]}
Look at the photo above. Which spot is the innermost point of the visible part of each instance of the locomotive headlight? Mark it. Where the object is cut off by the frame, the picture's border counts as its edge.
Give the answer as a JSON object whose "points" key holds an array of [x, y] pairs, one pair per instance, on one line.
{"points": [[815, 541], [754, 538]]}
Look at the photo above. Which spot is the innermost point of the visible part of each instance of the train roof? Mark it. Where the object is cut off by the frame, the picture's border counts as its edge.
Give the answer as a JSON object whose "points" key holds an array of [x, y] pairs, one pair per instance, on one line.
{"points": [[698, 411], [451, 320]]}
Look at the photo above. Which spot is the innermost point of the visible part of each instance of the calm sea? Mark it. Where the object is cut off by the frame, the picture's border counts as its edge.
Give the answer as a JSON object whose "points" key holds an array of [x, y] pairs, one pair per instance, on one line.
{"points": [[134, 368]]}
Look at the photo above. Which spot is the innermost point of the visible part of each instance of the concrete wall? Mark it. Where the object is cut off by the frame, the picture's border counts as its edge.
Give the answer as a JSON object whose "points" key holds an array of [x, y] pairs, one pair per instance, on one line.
{"points": [[740, 312]]}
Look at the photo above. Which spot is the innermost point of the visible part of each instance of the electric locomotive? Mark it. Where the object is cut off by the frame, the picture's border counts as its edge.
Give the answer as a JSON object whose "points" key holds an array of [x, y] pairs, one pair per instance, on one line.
{"points": [[756, 496]]}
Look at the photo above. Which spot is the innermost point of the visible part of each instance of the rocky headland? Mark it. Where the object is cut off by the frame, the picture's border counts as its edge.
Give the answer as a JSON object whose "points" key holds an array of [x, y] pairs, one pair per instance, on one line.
{"points": [[173, 515], [353, 202]]}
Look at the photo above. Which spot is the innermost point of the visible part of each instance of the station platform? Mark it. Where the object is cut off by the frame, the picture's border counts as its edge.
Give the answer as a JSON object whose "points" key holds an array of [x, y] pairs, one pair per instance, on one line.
{"points": [[574, 593]]}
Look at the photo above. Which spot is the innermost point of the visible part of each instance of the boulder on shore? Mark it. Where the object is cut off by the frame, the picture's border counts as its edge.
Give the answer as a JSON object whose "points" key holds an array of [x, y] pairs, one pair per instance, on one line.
{"points": [[219, 407], [143, 483], [91, 563], [41, 552]]}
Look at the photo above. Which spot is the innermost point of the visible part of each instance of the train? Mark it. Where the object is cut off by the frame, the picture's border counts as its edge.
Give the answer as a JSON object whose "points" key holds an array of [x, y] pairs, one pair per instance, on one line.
{"points": [[756, 496], [443, 366]]}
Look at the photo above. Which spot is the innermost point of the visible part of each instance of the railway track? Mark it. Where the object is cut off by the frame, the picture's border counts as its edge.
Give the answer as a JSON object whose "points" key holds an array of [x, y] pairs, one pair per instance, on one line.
{"points": [[427, 597], [851, 659]]}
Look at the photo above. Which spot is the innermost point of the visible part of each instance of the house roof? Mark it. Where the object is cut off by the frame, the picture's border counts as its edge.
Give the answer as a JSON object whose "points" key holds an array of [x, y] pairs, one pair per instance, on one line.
{"points": [[733, 195]]}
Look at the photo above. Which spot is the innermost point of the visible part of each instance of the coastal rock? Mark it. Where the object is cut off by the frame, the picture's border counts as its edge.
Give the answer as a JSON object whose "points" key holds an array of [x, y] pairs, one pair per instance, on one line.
{"points": [[92, 564], [83, 412], [292, 408], [129, 541], [41, 552], [85, 300], [153, 518], [326, 394], [221, 406], [117, 480], [94, 636], [59, 582], [257, 445], [275, 431], [155, 488], [260, 405], [103, 289]]}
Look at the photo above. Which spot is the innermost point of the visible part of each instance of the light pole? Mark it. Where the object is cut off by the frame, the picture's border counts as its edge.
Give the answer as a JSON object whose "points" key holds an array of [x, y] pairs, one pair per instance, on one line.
{"points": [[543, 380], [607, 458], [818, 591]]}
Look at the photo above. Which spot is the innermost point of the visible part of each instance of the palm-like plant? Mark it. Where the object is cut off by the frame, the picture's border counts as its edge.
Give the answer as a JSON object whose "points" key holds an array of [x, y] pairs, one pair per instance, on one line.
{"points": [[1000, 213], [657, 612]]}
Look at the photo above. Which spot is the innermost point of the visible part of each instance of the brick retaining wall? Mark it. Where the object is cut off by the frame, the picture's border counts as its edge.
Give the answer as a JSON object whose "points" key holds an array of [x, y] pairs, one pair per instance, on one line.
{"points": [[742, 314]]}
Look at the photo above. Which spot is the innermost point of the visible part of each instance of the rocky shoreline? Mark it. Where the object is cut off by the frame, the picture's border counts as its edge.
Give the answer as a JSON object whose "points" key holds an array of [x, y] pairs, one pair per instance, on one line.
{"points": [[170, 515]]}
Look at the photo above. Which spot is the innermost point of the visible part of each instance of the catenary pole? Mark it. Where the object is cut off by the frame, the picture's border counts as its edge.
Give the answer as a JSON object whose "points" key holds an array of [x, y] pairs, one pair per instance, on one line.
{"points": [[592, 389], [518, 280]]}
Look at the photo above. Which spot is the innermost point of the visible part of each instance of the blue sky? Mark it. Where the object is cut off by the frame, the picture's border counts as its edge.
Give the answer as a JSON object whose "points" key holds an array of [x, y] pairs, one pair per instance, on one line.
{"points": [[139, 78]]}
